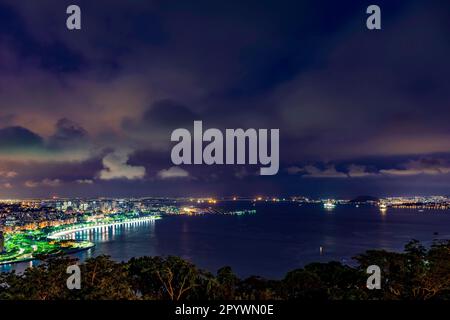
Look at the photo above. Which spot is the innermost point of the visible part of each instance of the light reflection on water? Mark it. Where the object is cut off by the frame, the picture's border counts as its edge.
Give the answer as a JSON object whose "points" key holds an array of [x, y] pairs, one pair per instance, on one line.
{"points": [[96, 235], [278, 238]]}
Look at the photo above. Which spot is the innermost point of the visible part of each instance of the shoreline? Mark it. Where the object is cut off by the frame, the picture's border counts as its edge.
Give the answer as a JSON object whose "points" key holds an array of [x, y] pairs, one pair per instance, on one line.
{"points": [[70, 251], [59, 234]]}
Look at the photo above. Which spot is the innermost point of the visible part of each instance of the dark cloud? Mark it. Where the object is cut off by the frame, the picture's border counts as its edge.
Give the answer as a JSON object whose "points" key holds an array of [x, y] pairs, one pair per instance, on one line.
{"points": [[19, 138], [168, 113], [154, 126], [349, 103], [173, 173], [68, 143], [423, 166], [68, 133], [377, 85], [163, 114]]}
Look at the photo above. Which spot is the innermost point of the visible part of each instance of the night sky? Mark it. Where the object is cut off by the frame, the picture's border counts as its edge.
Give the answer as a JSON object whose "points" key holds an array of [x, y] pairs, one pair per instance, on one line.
{"points": [[90, 112]]}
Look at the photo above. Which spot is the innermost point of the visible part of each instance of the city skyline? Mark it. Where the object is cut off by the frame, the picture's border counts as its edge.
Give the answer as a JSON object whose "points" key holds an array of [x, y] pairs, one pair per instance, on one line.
{"points": [[89, 113]]}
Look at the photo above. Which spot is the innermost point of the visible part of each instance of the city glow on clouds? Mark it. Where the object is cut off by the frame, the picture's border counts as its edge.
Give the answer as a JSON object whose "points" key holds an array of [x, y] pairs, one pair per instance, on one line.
{"points": [[346, 105], [173, 173], [45, 182], [423, 166], [85, 181], [116, 167]]}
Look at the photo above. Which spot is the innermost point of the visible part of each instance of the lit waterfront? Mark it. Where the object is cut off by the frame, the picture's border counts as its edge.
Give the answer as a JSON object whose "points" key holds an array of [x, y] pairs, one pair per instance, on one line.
{"points": [[278, 238], [100, 226], [25, 246]]}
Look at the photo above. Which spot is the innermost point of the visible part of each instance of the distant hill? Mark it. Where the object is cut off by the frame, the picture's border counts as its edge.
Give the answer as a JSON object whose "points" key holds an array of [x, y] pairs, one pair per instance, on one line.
{"points": [[362, 199]]}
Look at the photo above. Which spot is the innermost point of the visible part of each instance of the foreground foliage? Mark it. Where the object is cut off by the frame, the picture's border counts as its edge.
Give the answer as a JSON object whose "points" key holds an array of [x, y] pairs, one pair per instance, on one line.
{"points": [[418, 273]]}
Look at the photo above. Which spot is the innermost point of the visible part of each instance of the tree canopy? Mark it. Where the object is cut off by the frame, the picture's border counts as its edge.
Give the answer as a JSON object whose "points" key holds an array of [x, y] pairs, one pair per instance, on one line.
{"points": [[417, 273]]}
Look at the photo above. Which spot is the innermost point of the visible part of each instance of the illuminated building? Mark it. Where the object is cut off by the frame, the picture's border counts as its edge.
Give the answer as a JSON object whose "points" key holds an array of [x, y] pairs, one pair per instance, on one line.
{"points": [[2, 242]]}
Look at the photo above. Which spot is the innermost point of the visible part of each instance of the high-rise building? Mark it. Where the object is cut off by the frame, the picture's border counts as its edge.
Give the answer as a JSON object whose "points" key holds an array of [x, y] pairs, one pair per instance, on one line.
{"points": [[2, 242]]}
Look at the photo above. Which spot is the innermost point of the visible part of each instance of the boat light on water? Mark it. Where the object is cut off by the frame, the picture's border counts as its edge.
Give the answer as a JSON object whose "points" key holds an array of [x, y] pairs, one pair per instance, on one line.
{"points": [[329, 205]]}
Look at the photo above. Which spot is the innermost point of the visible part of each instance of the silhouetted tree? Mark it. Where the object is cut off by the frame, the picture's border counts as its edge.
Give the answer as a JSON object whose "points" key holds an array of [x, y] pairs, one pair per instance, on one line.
{"points": [[417, 273], [104, 279]]}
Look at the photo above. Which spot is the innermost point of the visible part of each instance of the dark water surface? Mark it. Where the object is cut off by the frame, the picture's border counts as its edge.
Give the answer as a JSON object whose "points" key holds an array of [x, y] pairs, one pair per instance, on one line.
{"points": [[278, 238]]}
